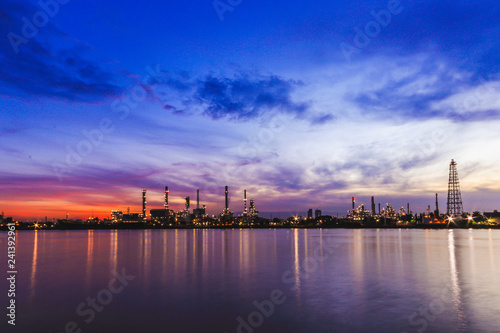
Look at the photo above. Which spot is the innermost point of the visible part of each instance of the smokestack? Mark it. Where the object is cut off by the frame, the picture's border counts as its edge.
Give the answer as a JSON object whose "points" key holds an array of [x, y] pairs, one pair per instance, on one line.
{"points": [[227, 199], [198, 199], [245, 202], [408, 210], [373, 206], [379, 208], [353, 203], [144, 204], [437, 206], [166, 197]]}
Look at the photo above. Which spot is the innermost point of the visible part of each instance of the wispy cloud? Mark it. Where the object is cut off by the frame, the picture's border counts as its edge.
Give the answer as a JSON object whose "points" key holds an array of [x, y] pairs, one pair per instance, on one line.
{"points": [[421, 87]]}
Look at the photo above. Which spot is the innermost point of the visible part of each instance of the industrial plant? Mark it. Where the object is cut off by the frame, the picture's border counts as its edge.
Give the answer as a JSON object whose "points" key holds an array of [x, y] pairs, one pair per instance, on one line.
{"points": [[375, 215], [187, 217]]}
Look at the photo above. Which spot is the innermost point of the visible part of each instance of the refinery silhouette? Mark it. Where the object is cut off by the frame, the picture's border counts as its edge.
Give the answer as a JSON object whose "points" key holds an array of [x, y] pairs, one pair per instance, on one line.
{"points": [[386, 216]]}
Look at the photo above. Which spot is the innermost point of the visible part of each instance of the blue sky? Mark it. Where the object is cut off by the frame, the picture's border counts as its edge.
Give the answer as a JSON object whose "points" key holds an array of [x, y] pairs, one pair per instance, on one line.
{"points": [[304, 104]]}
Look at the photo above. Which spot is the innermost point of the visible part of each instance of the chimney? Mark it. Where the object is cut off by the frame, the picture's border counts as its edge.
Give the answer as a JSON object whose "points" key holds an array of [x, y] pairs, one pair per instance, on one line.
{"points": [[227, 199], [198, 199], [437, 206], [166, 197], [144, 204], [245, 202]]}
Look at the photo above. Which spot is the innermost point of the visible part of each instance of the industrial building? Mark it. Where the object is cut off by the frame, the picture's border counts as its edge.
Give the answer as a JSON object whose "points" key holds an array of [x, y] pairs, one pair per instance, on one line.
{"points": [[199, 212], [386, 215], [492, 217]]}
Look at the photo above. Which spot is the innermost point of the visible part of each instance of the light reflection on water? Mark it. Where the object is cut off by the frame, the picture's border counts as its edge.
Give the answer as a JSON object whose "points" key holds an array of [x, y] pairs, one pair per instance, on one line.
{"points": [[90, 258], [455, 282], [33, 265], [374, 279]]}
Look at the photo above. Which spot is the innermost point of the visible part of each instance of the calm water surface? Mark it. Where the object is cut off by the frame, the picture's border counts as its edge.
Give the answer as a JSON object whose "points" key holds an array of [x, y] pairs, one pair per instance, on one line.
{"points": [[330, 280]]}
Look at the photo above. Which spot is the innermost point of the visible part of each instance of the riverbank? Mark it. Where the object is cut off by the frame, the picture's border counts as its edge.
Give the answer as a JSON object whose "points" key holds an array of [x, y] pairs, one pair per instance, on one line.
{"points": [[135, 226]]}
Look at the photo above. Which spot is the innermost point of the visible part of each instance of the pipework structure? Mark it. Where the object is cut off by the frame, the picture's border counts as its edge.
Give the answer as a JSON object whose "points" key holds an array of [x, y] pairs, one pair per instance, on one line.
{"points": [[454, 206], [226, 212], [187, 204]]}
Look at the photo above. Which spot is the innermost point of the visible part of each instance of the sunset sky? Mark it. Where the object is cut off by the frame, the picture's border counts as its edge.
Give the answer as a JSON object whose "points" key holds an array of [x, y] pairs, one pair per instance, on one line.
{"points": [[303, 103]]}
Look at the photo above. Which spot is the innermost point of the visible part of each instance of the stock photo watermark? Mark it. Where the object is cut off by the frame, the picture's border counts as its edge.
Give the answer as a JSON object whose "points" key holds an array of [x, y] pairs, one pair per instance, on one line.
{"points": [[121, 107], [255, 145], [11, 273], [267, 307], [371, 30], [31, 26], [223, 6], [425, 148], [476, 99], [429, 312], [88, 309]]}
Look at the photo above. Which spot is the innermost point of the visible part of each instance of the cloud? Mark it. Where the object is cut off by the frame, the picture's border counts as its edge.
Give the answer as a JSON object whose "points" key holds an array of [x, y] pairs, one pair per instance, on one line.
{"points": [[323, 119], [474, 102], [282, 177], [9, 130], [240, 97], [419, 88], [50, 64], [244, 97], [409, 93]]}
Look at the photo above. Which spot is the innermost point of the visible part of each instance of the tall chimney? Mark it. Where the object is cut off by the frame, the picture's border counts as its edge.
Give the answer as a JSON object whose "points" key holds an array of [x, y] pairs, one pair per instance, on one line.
{"points": [[437, 206], [373, 206], [198, 199], [166, 197], [353, 202], [144, 204], [245, 202], [408, 210], [227, 199]]}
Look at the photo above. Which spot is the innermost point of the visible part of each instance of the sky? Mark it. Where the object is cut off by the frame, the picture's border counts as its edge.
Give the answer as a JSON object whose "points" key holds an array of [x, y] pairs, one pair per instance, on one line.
{"points": [[304, 104]]}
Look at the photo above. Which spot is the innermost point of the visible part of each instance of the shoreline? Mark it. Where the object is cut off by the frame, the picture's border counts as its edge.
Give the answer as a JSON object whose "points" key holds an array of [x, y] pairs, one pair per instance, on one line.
{"points": [[126, 226]]}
